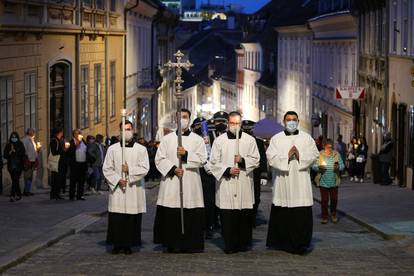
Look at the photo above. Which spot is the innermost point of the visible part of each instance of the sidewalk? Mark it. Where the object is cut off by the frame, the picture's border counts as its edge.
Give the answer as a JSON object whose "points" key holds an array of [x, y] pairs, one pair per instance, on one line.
{"points": [[385, 210], [36, 222]]}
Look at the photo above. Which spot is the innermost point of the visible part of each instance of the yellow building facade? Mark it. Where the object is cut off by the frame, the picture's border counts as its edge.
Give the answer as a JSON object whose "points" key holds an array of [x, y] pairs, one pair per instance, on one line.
{"points": [[61, 64]]}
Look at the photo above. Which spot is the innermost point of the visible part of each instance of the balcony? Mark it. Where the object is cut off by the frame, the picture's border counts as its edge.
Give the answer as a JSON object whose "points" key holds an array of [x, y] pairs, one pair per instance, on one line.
{"points": [[143, 82]]}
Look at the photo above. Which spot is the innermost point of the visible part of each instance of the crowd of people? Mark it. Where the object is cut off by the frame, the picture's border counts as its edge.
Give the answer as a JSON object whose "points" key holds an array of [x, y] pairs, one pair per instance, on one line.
{"points": [[79, 160]]}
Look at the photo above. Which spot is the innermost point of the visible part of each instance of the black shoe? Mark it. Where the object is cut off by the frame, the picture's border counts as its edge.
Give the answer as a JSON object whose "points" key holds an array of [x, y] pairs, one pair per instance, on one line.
{"points": [[115, 250], [71, 198], [127, 251], [30, 193], [12, 199], [81, 198], [59, 197], [18, 198]]}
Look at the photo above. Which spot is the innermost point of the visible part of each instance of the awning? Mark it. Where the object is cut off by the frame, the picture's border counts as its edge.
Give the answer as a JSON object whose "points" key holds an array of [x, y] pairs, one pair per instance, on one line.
{"points": [[266, 128]]}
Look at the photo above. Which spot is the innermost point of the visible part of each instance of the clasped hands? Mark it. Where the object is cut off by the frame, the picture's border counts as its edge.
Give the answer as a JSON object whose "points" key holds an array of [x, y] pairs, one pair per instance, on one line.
{"points": [[123, 182], [293, 152]]}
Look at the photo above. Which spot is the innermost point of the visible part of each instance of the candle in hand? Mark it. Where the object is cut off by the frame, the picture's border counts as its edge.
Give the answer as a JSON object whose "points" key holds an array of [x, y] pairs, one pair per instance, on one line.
{"points": [[323, 163], [80, 137], [38, 145], [67, 145]]}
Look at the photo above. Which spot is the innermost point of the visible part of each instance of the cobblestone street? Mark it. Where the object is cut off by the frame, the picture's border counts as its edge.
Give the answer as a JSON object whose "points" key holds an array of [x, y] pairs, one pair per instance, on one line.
{"points": [[345, 248]]}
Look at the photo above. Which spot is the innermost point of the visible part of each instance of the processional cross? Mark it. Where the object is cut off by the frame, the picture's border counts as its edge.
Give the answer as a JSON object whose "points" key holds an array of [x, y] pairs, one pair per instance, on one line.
{"points": [[178, 66]]}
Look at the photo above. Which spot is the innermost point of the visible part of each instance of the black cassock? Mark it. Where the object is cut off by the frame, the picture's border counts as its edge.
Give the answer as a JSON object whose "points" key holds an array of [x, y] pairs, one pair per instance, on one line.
{"points": [[167, 229], [290, 229], [124, 230]]}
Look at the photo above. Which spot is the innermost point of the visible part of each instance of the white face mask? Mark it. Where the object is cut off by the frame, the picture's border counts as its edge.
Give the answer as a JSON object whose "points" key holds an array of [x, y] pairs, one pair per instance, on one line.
{"points": [[184, 124], [291, 126], [128, 135], [233, 129]]}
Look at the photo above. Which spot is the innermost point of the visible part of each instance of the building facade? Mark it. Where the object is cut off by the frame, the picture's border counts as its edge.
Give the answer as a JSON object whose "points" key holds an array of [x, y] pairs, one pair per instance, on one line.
{"points": [[334, 65], [61, 65], [400, 109]]}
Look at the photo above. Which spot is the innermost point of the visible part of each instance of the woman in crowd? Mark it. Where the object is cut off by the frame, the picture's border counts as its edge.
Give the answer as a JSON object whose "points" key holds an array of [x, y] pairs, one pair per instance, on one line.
{"points": [[361, 159]]}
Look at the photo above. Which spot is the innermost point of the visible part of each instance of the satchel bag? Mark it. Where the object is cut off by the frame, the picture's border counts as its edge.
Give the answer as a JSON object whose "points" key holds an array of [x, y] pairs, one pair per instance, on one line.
{"points": [[53, 161]]}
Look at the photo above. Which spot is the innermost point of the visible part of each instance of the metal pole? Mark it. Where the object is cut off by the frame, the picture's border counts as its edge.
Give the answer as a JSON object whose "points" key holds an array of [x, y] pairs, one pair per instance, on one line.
{"points": [[123, 112]]}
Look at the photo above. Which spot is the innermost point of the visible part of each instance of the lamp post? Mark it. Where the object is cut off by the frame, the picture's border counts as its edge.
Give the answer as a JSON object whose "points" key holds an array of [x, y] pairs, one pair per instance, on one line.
{"points": [[178, 66]]}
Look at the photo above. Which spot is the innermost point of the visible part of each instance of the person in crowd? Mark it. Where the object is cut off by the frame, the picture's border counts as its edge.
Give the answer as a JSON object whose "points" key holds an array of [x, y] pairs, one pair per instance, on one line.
{"points": [[291, 153], [361, 159], [351, 158], [114, 140], [98, 169], [78, 165], [385, 158], [32, 148], [15, 155], [319, 142], [340, 147], [127, 194], [57, 148], [152, 151], [329, 165], [247, 127], [168, 223], [207, 179]]}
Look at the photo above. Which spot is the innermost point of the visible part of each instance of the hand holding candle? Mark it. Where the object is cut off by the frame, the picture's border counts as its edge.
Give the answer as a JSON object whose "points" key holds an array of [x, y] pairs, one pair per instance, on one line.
{"points": [[38, 146], [67, 145]]}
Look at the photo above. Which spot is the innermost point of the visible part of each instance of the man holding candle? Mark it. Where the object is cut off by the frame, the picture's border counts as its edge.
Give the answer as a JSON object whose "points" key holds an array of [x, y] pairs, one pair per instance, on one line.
{"points": [[291, 153], [126, 191], [32, 149], [234, 157], [77, 155], [329, 165], [57, 147]]}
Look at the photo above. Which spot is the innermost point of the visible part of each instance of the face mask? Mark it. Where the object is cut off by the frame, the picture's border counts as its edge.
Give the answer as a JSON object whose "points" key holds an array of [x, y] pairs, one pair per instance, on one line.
{"points": [[291, 126], [221, 127], [184, 123], [233, 129], [128, 135], [14, 140]]}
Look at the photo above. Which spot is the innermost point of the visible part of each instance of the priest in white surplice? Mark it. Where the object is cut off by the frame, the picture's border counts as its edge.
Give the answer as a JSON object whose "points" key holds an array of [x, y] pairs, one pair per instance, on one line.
{"points": [[235, 189], [291, 153], [167, 225], [126, 196]]}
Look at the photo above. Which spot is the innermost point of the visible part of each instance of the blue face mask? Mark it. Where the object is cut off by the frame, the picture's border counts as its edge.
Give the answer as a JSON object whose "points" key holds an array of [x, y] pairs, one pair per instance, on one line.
{"points": [[14, 139], [291, 126]]}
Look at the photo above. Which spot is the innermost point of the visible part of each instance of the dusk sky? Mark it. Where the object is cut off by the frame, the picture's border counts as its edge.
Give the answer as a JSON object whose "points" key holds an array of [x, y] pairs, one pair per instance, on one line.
{"points": [[250, 5]]}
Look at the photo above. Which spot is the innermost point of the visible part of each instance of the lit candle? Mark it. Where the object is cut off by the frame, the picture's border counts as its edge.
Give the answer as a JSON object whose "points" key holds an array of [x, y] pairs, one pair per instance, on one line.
{"points": [[38, 145], [323, 163], [80, 137], [67, 145]]}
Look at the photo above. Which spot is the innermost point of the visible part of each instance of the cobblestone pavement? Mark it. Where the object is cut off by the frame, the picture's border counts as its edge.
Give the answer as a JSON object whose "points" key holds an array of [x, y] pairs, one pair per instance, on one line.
{"points": [[341, 249]]}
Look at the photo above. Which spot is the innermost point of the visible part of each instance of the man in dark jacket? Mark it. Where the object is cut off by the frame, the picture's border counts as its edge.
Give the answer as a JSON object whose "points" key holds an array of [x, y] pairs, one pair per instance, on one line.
{"points": [[77, 155], [385, 157]]}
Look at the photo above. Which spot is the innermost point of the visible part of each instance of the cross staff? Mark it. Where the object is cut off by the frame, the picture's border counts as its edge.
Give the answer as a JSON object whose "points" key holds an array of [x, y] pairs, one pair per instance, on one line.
{"points": [[178, 66]]}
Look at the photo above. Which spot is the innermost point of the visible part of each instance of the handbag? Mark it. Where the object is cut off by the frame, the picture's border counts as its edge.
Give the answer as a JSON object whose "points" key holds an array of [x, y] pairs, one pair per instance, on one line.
{"points": [[360, 159], [53, 160]]}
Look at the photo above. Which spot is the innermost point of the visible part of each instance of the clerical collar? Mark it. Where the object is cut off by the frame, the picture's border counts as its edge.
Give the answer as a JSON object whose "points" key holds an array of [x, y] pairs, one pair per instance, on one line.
{"points": [[185, 133], [294, 133], [128, 144], [230, 135]]}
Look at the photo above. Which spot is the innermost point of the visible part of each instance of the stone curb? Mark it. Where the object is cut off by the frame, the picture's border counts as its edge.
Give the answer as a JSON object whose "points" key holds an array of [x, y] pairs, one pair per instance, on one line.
{"points": [[57, 233], [382, 231]]}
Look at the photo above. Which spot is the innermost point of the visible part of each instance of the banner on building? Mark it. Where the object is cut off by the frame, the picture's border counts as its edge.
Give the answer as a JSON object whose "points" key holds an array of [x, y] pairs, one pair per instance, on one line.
{"points": [[350, 92]]}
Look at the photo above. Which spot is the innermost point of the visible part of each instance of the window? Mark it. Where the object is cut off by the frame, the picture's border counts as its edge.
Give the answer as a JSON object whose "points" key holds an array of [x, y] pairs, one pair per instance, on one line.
{"points": [[112, 90], [113, 5], [84, 102], [412, 28], [394, 26], [405, 27], [97, 92], [87, 3], [30, 100], [100, 4], [6, 108]]}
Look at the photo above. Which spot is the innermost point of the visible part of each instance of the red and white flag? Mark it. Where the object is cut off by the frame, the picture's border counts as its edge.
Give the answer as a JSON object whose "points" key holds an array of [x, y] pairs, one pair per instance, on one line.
{"points": [[350, 92]]}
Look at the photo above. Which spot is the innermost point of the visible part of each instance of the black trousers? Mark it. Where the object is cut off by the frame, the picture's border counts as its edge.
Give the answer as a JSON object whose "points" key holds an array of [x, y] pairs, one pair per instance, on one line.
{"points": [[209, 195], [55, 185], [15, 189], [63, 170], [256, 182], [77, 179], [124, 230]]}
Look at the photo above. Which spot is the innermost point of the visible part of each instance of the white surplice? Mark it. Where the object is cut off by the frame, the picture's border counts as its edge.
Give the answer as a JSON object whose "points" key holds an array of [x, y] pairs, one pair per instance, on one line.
{"points": [[132, 201], [235, 192], [166, 158], [292, 185]]}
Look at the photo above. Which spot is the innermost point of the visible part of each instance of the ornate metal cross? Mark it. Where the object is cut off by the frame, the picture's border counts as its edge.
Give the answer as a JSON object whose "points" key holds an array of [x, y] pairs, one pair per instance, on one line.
{"points": [[179, 65], [179, 95]]}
